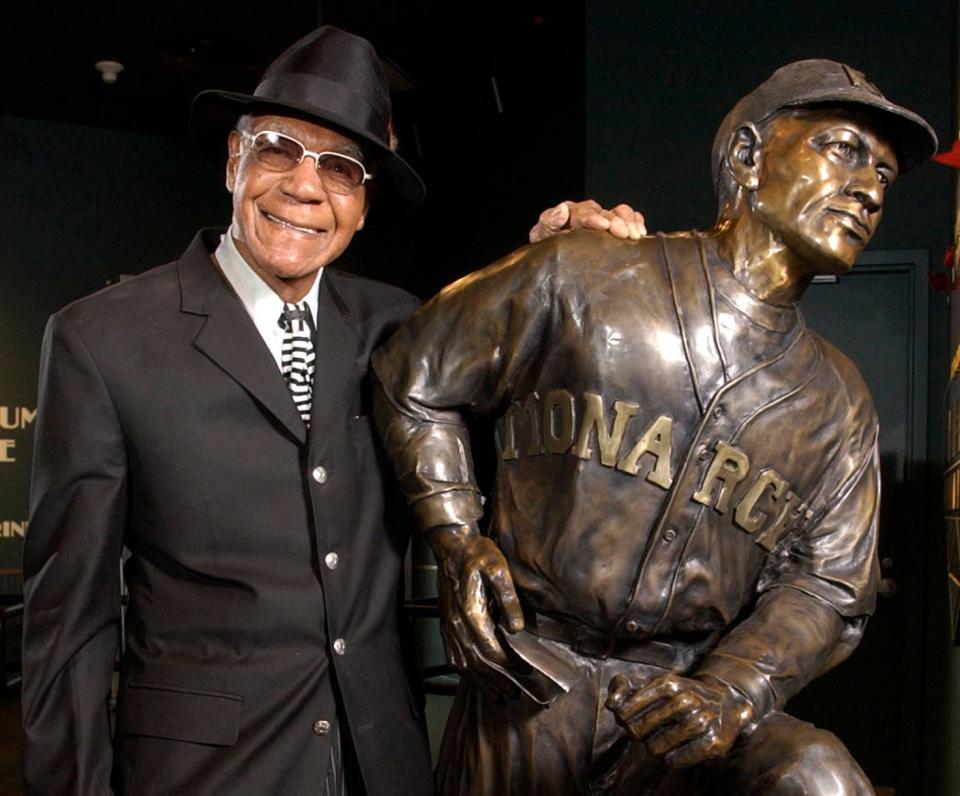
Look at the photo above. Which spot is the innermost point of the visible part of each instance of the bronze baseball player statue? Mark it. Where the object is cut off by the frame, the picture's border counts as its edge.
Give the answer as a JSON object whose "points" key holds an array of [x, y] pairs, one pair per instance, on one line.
{"points": [[684, 526]]}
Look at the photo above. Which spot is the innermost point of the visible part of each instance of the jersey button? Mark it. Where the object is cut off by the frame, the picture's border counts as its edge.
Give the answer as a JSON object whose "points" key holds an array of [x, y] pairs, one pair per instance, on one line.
{"points": [[340, 646], [321, 727]]}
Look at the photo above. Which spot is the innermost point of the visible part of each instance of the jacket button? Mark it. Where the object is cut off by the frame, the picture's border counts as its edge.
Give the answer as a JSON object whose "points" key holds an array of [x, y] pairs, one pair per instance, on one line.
{"points": [[331, 560], [320, 475], [321, 727], [718, 412], [632, 626], [340, 646], [669, 535]]}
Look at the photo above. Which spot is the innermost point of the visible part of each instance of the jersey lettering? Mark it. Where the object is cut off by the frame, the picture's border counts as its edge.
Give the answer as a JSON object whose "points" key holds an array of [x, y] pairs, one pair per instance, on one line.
{"points": [[559, 424]]}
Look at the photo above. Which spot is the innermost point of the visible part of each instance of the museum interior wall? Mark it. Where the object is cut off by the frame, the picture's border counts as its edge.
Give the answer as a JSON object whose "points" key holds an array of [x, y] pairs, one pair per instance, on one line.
{"points": [[617, 100]]}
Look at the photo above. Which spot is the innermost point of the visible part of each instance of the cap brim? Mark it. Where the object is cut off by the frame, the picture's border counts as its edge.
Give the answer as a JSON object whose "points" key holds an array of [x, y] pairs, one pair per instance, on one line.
{"points": [[214, 114]]}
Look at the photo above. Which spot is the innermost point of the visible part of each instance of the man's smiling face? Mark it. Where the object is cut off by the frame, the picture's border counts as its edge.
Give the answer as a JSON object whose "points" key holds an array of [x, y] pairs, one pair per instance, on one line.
{"points": [[822, 183], [286, 225]]}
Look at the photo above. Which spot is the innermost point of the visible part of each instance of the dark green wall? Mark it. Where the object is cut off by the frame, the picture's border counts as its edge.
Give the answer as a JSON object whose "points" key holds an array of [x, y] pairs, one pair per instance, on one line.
{"points": [[79, 206]]}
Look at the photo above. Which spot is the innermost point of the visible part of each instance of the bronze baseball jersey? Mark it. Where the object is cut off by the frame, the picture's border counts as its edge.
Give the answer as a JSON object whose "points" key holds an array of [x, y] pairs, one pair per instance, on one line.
{"points": [[670, 448]]}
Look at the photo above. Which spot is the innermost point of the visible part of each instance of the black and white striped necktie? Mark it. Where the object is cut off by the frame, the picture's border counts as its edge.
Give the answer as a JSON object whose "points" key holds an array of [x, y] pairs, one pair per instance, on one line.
{"points": [[297, 355]]}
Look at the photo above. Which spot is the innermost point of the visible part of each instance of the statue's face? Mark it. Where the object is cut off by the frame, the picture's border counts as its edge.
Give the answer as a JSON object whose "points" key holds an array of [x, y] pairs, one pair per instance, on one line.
{"points": [[822, 180]]}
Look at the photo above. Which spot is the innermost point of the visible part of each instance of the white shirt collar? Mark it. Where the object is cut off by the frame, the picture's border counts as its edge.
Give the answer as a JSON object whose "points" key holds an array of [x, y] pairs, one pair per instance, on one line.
{"points": [[261, 303]]}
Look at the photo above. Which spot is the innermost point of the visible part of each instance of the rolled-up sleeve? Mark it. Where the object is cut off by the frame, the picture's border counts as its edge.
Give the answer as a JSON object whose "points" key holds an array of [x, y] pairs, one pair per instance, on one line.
{"points": [[463, 352]]}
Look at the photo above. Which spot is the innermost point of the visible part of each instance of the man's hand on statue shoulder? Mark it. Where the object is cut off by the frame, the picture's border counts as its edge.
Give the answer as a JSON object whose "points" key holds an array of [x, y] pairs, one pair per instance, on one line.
{"points": [[473, 575], [621, 222], [684, 720]]}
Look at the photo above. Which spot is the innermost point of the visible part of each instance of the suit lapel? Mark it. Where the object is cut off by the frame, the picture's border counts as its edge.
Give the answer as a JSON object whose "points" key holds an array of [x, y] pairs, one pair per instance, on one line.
{"points": [[230, 339], [337, 345]]}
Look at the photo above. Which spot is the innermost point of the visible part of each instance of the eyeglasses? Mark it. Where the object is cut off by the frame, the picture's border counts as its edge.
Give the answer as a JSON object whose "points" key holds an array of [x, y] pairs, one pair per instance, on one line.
{"points": [[278, 152]]}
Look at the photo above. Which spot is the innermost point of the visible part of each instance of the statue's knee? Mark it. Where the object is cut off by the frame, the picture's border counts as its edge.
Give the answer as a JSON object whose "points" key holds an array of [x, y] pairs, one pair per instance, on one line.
{"points": [[818, 764]]}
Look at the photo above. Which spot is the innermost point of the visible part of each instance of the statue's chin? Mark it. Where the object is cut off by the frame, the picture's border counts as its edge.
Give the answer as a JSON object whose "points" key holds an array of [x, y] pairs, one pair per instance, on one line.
{"points": [[827, 260]]}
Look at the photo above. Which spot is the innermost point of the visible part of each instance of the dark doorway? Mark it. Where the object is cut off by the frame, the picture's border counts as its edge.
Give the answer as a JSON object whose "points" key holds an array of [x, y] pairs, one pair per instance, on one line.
{"points": [[877, 315]]}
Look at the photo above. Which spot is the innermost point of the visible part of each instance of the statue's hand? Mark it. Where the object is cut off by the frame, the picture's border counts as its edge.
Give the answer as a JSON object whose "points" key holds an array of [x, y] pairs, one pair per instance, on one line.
{"points": [[472, 573], [686, 721], [621, 222]]}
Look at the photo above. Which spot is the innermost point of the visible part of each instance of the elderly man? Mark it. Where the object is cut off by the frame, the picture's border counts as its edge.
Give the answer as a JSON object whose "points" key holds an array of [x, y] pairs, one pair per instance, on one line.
{"points": [[684, 526], [263, 646]]}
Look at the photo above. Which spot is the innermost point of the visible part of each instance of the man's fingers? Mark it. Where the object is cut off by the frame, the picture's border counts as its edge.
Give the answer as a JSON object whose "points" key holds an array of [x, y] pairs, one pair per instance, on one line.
{"points": [[633, 222], [588, 214], [619, 228], [622, 221], [579, 210], [555, 218], [551, 221], [595, 221]]}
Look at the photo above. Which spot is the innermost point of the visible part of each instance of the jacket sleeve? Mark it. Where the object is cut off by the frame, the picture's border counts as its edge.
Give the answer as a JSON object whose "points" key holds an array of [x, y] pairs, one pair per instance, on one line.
{"points": [[464, 351], [815, 599], [71, 566]]}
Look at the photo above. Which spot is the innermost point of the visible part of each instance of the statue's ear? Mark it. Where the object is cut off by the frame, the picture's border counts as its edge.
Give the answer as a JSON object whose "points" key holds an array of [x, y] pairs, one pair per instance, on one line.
{"points": [[744, 156]]}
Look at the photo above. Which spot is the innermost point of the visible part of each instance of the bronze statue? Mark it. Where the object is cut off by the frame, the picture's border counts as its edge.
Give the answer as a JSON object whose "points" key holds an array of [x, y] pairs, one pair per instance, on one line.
{"points": [[684, 527]]}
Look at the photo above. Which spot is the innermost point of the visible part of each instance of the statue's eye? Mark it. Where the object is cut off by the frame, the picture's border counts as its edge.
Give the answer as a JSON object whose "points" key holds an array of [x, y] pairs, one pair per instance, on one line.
{"points": [[843, 149]]}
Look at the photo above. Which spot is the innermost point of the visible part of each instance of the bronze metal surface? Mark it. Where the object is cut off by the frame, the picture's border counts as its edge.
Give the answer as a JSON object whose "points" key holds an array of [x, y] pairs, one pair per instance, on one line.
{"points": [[680, 459]]}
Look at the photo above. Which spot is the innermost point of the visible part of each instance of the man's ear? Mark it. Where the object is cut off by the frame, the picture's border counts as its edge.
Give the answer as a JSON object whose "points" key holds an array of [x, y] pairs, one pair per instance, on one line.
{"points": [[233, 159], [744, 155]]}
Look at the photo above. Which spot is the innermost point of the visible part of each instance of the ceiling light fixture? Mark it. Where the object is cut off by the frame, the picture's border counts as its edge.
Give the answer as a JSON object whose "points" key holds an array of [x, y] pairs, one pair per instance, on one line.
{"points": [[108, 70]]}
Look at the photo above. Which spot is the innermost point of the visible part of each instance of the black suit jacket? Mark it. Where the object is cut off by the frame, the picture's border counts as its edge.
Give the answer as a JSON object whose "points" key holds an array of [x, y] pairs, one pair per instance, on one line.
{"points": [[165, 427]]}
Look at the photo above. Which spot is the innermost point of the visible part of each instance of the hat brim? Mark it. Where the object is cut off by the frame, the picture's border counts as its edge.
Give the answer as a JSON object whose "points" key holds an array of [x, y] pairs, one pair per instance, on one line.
{"points": [[215, 113]]}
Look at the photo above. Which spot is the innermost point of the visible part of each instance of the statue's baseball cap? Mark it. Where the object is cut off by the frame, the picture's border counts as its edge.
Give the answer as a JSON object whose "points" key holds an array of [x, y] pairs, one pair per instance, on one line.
{"points": [[820, 83]]}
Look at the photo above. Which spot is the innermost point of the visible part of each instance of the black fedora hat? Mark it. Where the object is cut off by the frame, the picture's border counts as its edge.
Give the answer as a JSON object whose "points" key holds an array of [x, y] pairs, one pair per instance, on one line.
{"points": [[330, 77]]}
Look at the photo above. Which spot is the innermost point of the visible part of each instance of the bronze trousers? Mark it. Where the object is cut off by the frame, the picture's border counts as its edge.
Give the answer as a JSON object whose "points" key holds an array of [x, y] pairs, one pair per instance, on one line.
{"points": [[514, 746]]}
